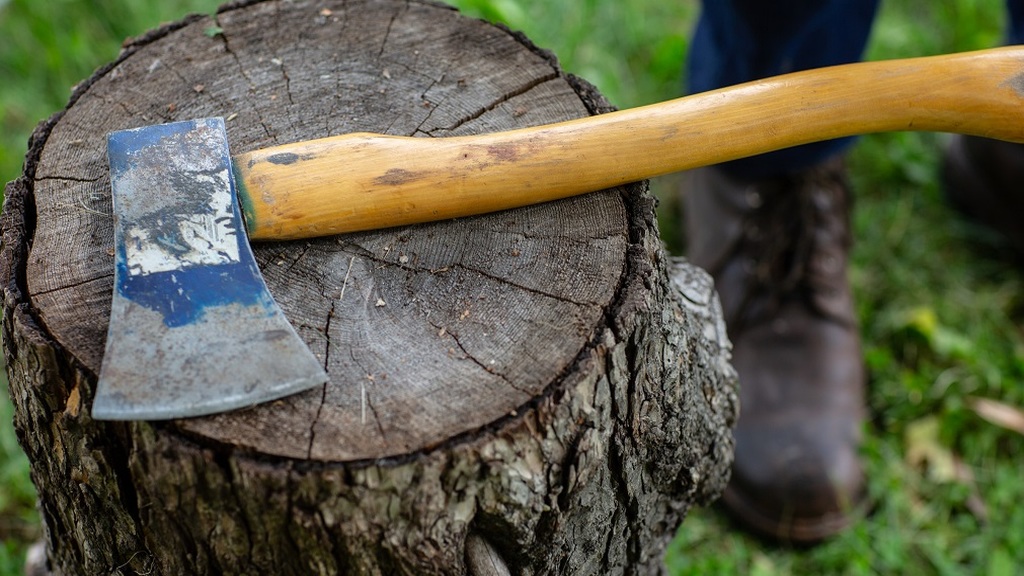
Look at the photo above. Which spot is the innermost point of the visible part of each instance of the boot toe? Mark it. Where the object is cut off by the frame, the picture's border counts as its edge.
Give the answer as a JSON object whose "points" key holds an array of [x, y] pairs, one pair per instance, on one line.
{"points": [[794, 486], [797, 475]]}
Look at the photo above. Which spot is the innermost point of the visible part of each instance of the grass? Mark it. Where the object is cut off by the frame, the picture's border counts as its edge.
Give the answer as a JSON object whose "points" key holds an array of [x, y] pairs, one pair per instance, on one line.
{"points": [[940, 305]]}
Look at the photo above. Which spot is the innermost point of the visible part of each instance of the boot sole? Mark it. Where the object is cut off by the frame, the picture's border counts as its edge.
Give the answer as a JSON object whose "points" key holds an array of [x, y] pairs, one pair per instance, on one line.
{"points": [[795, 530]]}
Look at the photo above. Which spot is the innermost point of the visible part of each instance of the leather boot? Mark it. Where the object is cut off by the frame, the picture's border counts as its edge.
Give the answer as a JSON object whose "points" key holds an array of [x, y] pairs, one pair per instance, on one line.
{"points": [[983, 179], [778, 252]]}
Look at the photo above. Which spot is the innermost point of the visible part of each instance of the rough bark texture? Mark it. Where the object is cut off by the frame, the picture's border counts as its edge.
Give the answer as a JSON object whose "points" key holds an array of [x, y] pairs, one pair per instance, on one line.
{"points": [[540, 391]]}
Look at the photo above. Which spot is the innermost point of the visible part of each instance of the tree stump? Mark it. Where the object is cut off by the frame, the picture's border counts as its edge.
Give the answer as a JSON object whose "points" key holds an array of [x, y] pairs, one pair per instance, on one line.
{"points": [[539, 391]]}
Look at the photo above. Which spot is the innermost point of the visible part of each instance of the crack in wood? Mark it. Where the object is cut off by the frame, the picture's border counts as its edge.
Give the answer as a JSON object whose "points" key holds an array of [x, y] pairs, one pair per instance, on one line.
{"points": [[377, 420], [628, 435], [495, 103], [323, 389], [283, 255], [423, 95], [528, 289], [121, 104], [387, 31], [327, 356], [70, 179], [71, 286], [483, 366], [245, 74], [483, 273], [280, 63]]}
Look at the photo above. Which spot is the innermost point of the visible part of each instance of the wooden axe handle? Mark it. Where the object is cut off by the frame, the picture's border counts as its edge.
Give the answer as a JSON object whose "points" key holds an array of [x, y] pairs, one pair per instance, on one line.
{"points": [[367, 181]]}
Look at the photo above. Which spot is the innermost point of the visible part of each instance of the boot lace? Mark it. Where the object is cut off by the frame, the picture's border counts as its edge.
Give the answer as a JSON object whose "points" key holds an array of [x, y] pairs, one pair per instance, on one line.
{"points": [[794, 244]]}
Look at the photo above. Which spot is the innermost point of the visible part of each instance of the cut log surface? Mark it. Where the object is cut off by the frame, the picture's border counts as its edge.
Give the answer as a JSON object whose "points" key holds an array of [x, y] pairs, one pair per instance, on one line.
{"points": [[540, 391]]}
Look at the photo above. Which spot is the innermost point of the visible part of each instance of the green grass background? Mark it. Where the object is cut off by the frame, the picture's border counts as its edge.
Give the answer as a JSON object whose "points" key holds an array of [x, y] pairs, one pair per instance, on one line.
{"points": [[939, 300]]}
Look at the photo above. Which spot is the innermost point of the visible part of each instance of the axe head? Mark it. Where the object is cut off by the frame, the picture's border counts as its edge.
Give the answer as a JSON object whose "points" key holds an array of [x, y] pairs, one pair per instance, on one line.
{"points": [[193, 329]]}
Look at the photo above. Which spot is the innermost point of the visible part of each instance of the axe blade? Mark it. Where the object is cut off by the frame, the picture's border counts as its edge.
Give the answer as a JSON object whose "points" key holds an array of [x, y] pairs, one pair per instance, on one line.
{"points": [[193, 329]]}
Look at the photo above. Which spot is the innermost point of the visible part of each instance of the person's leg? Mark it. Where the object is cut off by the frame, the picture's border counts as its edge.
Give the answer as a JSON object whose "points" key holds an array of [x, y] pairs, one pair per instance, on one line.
{"points": [[1015, 22], [773, 231], [983, 177], [738, 41]]}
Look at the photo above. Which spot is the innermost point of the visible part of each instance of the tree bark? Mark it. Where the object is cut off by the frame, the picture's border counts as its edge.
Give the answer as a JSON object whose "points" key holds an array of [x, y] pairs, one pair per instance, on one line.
{"points": [[539, 391]]}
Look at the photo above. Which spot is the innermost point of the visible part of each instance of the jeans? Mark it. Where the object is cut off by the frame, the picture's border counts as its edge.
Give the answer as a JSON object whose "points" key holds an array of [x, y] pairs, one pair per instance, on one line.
{"points": [[741, 40]]}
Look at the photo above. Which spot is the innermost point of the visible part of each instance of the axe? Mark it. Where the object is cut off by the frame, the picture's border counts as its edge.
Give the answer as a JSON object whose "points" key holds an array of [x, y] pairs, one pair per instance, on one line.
{"points": [[193, 328]]}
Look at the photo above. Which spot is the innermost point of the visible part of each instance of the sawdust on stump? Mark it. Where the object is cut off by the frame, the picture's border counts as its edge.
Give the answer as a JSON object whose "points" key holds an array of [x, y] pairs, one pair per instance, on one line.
{"points": [[541, 391]]}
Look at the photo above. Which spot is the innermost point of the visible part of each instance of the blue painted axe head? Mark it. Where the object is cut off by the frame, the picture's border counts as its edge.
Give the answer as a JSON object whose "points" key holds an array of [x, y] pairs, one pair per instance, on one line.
{"points": [[193, 329]]}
